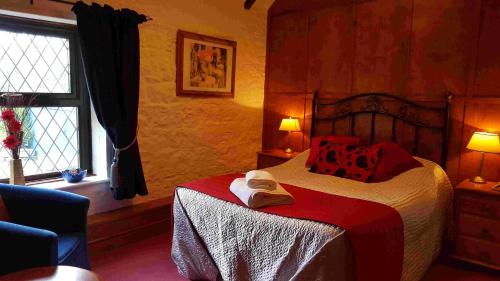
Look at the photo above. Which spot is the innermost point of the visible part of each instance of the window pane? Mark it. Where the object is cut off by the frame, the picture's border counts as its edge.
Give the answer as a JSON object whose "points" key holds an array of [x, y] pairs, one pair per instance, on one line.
{"points": [[50, 142], [34, 63]]}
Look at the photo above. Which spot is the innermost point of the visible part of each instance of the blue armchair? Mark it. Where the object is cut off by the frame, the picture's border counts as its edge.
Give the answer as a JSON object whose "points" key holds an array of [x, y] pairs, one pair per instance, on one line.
{"points": [[46, 227]]}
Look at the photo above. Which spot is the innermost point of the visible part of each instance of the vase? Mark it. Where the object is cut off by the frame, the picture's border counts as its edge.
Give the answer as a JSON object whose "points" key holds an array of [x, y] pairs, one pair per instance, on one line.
{"points": [[16, 172]]}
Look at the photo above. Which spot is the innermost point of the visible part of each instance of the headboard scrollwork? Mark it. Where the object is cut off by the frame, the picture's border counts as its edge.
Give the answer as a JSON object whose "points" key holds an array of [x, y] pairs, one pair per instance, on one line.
{"points": [[419, 116]]}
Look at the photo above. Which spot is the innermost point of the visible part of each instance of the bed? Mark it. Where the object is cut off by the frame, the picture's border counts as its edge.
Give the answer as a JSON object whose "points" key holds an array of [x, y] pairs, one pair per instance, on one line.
{"points": [[217, 240]]}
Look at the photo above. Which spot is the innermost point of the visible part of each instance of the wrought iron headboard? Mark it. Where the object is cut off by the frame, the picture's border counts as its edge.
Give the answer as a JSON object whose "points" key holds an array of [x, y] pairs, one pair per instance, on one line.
{"points": [[373, 104]]}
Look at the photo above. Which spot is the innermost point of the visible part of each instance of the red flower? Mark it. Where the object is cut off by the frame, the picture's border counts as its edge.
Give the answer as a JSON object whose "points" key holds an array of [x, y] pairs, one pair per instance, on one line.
{"points": [[14, 126], [8, 115], [11, 142]]}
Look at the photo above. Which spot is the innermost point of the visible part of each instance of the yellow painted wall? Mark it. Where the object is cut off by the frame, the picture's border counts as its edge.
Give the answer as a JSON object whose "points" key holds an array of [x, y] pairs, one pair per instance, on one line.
{"points": [[184, 138]]}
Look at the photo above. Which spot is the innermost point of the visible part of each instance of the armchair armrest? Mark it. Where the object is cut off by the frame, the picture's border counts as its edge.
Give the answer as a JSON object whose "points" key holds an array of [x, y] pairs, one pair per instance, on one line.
{"points": [[24, 247], [55, 210]]}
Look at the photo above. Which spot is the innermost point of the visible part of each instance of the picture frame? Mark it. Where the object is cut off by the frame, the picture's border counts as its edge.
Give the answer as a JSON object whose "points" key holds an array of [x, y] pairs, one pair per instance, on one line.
{"points": [[205, 65]]}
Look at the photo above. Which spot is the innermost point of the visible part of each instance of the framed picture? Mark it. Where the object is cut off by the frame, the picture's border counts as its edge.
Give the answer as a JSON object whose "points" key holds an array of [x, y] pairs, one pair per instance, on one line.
{"points": [[205, 65]]}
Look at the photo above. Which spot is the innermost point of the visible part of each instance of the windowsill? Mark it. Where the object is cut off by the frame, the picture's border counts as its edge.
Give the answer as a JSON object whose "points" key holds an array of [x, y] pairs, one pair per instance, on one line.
{"points": [[63, 185]]}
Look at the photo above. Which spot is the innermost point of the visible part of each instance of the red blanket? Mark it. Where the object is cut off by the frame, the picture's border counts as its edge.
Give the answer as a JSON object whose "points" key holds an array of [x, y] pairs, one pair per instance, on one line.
{"points": [[375, 230]]}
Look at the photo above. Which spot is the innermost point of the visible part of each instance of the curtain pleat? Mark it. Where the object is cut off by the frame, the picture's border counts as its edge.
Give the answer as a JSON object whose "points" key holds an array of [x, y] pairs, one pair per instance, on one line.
{"points": [[109, 42]]}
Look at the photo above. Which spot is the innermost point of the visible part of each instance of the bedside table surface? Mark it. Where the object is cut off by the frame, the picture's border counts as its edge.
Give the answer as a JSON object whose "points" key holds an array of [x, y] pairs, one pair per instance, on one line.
{"points": [[278, 153], [467, 185]]}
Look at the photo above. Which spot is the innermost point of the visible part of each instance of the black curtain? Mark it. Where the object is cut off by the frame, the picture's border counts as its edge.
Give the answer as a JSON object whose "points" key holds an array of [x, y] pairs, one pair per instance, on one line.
{"points": [[109, 41]]}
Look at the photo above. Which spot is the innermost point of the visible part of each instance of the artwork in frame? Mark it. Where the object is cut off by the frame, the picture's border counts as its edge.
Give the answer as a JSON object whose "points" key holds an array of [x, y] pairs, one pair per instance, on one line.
{"points": [[205, 65]]}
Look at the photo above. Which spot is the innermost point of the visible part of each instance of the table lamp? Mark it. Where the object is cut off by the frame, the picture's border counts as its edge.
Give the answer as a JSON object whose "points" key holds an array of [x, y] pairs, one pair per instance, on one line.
{"points": [[484, 143], [290, 125]]}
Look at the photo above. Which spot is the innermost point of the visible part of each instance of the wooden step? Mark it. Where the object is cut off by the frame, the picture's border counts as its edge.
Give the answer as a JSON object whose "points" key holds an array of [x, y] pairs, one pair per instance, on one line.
{"points": [[110, 230]]}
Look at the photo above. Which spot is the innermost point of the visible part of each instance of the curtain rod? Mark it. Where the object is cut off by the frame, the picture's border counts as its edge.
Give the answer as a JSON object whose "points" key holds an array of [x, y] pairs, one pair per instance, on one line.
{"points": [[73, 3]]}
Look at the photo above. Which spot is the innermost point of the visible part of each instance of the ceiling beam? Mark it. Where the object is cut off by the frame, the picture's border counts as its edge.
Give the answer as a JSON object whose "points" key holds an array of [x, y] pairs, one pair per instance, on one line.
{"points": [[248, 4]]}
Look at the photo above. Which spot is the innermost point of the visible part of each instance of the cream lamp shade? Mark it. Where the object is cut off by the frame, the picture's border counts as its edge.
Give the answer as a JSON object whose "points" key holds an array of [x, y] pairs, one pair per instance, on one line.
{"points": [[484, 142], [290, 125]]}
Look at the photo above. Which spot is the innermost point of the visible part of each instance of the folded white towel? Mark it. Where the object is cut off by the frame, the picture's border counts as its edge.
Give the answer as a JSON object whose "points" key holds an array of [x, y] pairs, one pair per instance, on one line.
{"points": [[260, 180], [256, 198]]}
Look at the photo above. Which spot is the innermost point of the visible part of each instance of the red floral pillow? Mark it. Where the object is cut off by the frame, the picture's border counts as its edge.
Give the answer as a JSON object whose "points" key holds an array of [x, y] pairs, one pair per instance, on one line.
{"points": [[319, 141], [347, 161]]}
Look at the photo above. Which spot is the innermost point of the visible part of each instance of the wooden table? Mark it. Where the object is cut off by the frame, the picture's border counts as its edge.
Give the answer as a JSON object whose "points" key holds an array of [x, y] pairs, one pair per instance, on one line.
{"points": [[52, 273], [477, 224], [273, 157]]}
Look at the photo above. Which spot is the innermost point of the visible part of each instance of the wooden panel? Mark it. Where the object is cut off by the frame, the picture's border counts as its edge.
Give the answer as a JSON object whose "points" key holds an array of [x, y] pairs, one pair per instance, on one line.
{"points": [[273, 157], [287, 6], [455, 142], [277, 107], [415, 48], [307, 120], [479, 205], [382, 42], [479, 228], [443, 34], [488, 65], [266, 162], [484, 252], [287, 51], [98, 247], [112, 229], [331, 35], [480, 116]]}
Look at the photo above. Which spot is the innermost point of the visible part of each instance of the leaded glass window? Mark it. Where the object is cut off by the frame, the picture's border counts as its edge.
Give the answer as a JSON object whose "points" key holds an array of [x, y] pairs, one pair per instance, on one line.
{"points": [[33, 63], [40, 60]]}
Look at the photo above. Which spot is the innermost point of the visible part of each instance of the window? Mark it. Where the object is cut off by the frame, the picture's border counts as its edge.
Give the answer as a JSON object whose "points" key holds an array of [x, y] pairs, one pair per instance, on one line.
{"points": [[41, 59]]}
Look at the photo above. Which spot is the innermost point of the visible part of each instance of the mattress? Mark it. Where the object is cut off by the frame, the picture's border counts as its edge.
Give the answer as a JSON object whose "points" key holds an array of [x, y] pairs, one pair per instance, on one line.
{"points": [[238, 243]]}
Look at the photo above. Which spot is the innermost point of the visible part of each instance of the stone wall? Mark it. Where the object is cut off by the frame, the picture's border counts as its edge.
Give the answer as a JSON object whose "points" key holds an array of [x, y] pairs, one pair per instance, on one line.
{"points": [[184, 138]]}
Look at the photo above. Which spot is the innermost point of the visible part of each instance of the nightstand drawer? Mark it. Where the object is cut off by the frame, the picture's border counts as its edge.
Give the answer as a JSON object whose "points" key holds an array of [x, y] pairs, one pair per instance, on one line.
{"points": [[480, 205], [473, 249], [480, 228]]}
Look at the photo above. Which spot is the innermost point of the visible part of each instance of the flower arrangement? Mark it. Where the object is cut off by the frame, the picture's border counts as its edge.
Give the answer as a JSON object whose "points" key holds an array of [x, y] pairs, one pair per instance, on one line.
{"points": [[14, 108]]}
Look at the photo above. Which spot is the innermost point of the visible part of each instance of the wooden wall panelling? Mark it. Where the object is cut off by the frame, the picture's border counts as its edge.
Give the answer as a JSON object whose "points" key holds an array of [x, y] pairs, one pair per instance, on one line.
{"points": [[480, 115], [362, 128], [456, 139], [488, 65], [307, 121], [382, 42], [287, 51], [383, 129], [443, 41], [286, 77], [279, 106], [287, 6], [331, 57], [415, 48]]}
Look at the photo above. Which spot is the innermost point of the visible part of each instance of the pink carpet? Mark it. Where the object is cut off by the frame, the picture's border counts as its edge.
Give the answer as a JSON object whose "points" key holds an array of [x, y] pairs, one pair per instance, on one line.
{"points": [[149, 260], [146, 260]]}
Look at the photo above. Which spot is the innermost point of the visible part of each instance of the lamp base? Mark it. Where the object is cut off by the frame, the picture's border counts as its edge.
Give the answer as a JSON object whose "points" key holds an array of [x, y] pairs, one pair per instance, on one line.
{"points": [[288, 150], [478, 179]]}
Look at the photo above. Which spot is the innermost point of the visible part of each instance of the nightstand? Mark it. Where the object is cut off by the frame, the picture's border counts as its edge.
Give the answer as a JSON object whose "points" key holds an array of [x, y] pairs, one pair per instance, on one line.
{"points": [[477, 224], [273, 157]]}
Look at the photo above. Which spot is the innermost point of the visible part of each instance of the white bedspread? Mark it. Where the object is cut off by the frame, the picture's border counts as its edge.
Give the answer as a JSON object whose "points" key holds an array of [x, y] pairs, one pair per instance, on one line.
{"points": [[237, 243]]}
